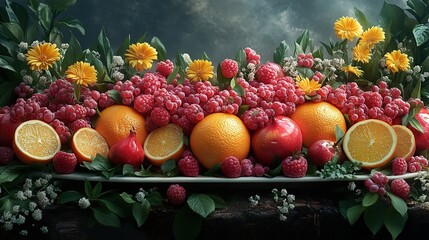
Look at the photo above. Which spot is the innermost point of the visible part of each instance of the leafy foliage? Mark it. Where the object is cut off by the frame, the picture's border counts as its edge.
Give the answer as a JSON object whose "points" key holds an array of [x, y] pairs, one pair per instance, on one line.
{"points": [[333, 170]]}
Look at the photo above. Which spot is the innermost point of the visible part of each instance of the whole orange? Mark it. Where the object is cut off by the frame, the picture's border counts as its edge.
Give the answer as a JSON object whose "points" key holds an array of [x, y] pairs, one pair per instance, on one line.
{"points": [[115, 123], [317, 121], [218, 136]]}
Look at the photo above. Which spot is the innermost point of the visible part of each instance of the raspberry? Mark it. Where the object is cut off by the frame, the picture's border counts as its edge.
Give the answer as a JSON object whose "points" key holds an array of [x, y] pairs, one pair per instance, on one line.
{"points": [[400, 188], [188, 166], [160, 116], [265, 74], [252, 56], [64, 163], [258, 170], [144, 103], [294, 167], [399, 166], [379, 179], [231, 167], [6, 155], [165, 68], [78, 124], [176, 194], [246, 167], [229, 68]]}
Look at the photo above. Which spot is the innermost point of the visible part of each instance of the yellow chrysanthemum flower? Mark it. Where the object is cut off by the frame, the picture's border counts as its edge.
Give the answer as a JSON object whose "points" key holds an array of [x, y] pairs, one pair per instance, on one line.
{"points": [[347, 28], [81, 73], [372, 36], [309, 87], [199, 70], [396, 61], [353, 70], [42, 56], [361, 53], [140, 56]]}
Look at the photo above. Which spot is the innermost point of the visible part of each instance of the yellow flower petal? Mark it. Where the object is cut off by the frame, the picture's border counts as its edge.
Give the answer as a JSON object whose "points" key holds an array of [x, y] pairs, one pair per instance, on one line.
{"points": [[361, 53], [42, 56], [199, 70], [140, 56], [353, 70], [347, 28], [309, 87], [372, 36], [82, 73], [396, 61]]}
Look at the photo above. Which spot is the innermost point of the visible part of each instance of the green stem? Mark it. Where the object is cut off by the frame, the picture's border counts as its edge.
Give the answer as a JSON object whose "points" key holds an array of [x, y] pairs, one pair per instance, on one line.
{"points": [[77, 89]]}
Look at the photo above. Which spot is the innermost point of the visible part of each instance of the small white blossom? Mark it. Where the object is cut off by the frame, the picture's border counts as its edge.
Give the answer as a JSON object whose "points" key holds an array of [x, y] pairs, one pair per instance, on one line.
{"points": [[251, 76], [140, 196], [21, 57], [7, 215], [358, 192], [23, 232], [28, 184], [84, 203], [65, 45], [283, 209], [28, 193], [42, 80], [20, 220], [37, 214], [290, 198], [417, 69], [23, 45], [351, 186], [422, 198], [8, 225], [42, 200], [20, 195], [34, 43], [425, 74], [283, 192], [96, 54], [44, 229], [15, 209], [118, 76], [27, 79], [32, 206], [291, 206], [117, 61], [187, 58], [282, 217], [254, 200], [251, 67]]}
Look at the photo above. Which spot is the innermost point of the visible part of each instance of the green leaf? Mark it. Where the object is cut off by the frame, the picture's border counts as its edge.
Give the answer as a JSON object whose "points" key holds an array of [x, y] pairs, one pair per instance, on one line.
{"points": [[45, 17], [240, 57], [173, 74], [10, 13], [362, 19], [127, 197], [115, 95], [339, 133], [113, 205], [69, 196], [353, 213], [276, 171], [9, 175], [187, 224], [157, 44], [105, 217], [168, 167], [127, 170], [71, 23], [242, 109], [201, 204], [7, 205], [73, 54], [398, 204], [141, 212], [345, 205], [394, 222], [103, 47], [13, 31], [205, 56], [154, 198], [60, 6], [305, 72], [298, 49], [96, 190], [369, 199], [125, 45], [237, 87], [416, 124], [219, 202], [393, 18], [374, 216], [213, 171], [280, 53], [88, 188], [416, 93], [222, 81], [5, 65]]}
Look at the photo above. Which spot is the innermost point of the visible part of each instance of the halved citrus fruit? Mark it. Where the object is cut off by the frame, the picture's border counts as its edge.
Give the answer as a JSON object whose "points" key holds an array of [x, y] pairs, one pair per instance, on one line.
{"points": [[163, 144], [36, 142], [406, 142], [87, 142], [371, 142]]}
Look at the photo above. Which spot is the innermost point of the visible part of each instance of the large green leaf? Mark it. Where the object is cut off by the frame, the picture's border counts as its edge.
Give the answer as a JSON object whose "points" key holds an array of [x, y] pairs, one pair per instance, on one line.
{"points": [[421, 34], [394, 222], [369, 199], [187, 224], [6, 65], [69, 196], [45, 17], [125, 45], [354, 213], [71, 23], [394, 16], [281, 52], [201, 204], [374, 216], [162, 52], [73, 54], [103, 47], [105, 217], [141, 212], [59, 6], [13, 31], [398, 204], [240, 57], [362, 19]]}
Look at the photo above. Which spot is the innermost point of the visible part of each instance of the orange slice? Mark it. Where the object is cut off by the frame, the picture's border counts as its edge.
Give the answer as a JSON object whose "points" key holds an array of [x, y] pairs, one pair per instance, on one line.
{"points": [[371, 142], [163, 144], [406, 142], [87, 142], [36, 142]]}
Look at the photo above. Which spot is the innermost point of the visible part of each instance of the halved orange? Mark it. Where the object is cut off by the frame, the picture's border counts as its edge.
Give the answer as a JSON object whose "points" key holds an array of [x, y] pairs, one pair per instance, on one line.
{"points": [[371, 142], [163, 144], [35, 141], [87, 142], [406, 142]]}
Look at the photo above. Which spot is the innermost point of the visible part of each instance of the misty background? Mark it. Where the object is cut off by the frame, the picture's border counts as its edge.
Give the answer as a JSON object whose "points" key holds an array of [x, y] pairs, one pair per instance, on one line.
{"points": [[217, 27]]}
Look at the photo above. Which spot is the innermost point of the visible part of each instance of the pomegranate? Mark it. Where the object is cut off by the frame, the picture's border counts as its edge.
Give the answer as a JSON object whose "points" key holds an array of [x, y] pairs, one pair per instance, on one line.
{"points": [[7, 129], [422, 138], [322, 151], [127, 151], [278, 140]]}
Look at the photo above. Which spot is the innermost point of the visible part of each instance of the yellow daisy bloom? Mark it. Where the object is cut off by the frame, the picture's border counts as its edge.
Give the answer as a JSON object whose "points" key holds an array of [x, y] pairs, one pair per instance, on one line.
{"points": [[372, 36], [308, 86], [353, 70], [42, 56], [140, 56], [361, 53], [396, 61], [347, 28], [81, 73], [199, 70]]}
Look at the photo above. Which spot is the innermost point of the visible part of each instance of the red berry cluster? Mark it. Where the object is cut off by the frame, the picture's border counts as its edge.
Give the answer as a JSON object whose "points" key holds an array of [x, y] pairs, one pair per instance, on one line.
{"points": [[295, 166], [377, 183], [305, 60]]}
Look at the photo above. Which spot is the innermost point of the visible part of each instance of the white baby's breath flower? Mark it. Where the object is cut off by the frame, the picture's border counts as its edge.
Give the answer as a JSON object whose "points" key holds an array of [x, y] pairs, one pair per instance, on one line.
{"points": [[118, 76], [37, 214], [187, 58], [283, 209], [21, 57], [282, 217], [23, 233], [84, 203], [290, 198], [42, 80], [351, 186], [23, 45], [42, 200], [117, 61], [7, 215], [422, 198], [44, 229], [15, 209], [20, 195], [251, 67], [32, 206], [291, 206], [28, 193], [65, 45], [251, 76], [34, 43], [20, 220], [283, 192], [27, 79], [140, 196], [8, 225]]}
